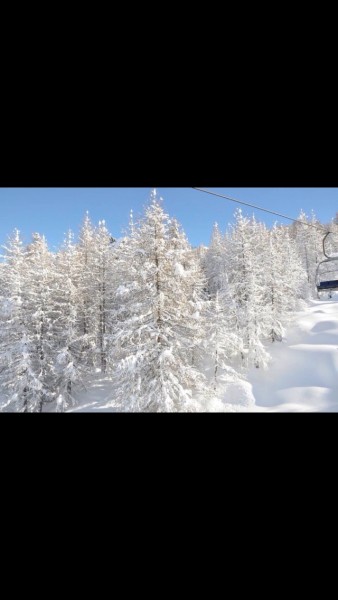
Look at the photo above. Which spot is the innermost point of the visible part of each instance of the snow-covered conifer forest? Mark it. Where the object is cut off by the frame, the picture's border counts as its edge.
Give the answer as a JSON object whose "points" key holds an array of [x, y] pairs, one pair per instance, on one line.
{"points": [[145, 322]]}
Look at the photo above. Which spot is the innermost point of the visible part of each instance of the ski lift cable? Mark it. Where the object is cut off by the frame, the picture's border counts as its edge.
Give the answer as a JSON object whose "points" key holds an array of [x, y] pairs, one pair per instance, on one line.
{"points": [[258, 208]]}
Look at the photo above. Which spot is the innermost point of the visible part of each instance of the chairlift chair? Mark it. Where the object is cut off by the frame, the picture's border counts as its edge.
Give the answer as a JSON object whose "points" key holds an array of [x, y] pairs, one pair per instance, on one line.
{"points": [[323, 284]]}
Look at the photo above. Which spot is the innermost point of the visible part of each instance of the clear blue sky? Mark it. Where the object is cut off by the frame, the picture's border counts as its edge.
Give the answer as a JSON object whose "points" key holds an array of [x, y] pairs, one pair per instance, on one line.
{"points": [[52, 211]]}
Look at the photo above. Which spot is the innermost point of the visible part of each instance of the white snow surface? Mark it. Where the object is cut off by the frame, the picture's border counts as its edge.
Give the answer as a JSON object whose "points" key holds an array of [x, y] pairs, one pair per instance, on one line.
{"points": [[97, 397], [302, 376]]}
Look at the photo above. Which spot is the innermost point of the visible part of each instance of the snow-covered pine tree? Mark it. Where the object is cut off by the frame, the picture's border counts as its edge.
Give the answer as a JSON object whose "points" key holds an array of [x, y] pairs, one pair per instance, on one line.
{"points": [[309, 245], [277, 282], [3, 300], [14, 367], [158, 318], [245, 289], [188, 271], [214, 262], [283, 280], [83, 296], [67, 338], [222, 344], [24, 330], [294, 273], [39, 305], [317, 234], [103, 281], [88, 316]]}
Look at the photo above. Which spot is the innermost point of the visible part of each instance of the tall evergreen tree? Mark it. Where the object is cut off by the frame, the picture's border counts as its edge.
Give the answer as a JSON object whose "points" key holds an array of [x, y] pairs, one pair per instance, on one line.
{"points": [[25, 341], [67, 334], [103, 276], [284, 279], [158, 318], [38, 301], [222, 344], [214, 262], [246, 288], [88, 318], [309, 246]]}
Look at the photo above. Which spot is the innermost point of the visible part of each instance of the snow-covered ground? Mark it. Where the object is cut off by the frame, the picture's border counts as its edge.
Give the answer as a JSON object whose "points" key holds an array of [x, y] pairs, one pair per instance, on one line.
{"points": [[302, 377], [97, 398]]}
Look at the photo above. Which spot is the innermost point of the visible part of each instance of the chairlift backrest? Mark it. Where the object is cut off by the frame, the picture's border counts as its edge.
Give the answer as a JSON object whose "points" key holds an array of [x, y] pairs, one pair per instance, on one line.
{"points": [[325, 250], [331, 284]]}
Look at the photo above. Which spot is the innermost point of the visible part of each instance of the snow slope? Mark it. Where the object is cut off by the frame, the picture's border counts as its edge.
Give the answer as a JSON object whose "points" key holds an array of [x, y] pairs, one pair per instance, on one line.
{"points": [[303, 375], [97, 398]]}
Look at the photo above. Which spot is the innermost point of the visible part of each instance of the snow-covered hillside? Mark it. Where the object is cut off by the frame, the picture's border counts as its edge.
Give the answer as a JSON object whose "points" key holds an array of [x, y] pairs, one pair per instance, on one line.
{"points": [[302, 377]]}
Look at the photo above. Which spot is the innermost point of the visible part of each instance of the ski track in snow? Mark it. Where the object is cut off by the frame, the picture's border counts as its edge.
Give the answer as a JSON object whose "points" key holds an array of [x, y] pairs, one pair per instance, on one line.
{"points": [[303, 375]]}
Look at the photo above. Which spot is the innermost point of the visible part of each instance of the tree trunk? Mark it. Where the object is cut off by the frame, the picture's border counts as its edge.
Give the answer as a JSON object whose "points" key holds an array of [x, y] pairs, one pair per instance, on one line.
{"points": [[103, 325], [158, 291], [25, 401], [159, 312], [216, 369]]}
